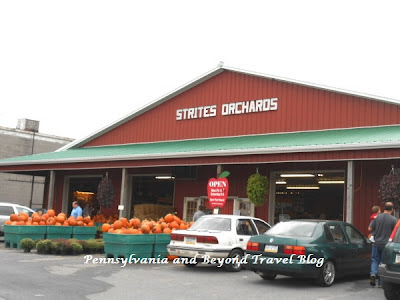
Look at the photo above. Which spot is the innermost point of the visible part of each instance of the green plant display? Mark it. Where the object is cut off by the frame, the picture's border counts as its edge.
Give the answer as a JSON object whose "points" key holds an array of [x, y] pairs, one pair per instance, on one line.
{"points": [[257, 189], [27, 244]]}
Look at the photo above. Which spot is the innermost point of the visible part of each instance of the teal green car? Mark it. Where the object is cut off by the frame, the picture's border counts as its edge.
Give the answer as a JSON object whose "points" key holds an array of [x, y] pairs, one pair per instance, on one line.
{"points": [[389, 270], [319, 249]]}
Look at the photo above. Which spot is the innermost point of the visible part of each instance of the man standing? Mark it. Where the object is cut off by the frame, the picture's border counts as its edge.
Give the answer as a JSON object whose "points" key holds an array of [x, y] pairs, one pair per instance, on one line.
{"points": [[199, 213], [76, 210], [382, 226]]}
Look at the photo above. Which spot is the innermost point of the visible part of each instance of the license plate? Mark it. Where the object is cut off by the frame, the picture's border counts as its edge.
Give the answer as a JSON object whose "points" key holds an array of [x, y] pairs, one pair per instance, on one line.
{"points": [[397, 261], [190, 240], [271, 248]]}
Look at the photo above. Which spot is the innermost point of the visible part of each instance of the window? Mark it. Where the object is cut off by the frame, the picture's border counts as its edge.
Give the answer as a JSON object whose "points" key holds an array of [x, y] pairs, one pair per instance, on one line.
{"points": [[24, 210], [354, 236], [243, 227], [212, 223], [294, 228], [328, 234], [261, 226], [6, 210], [337, 233]]}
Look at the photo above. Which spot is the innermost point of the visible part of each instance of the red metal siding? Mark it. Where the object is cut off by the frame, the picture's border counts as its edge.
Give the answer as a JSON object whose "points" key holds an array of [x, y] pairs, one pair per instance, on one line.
{"points": [[300, 108], [366, 187]]}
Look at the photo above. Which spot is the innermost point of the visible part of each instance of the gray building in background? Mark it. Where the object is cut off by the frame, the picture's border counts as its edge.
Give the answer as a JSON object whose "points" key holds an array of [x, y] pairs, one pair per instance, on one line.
{"points": [[25, 140]]}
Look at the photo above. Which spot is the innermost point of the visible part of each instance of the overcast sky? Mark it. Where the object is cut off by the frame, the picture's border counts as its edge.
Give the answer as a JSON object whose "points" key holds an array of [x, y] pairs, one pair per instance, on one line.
{"points": [[77, 66]]}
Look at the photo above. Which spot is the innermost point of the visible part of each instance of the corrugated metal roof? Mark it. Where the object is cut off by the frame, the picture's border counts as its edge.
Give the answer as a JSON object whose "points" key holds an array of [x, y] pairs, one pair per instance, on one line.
{"points": [[327, 140], [205, 77]]}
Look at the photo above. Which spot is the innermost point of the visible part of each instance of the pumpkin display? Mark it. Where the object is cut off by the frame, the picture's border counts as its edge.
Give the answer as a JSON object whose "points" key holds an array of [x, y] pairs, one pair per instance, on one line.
{"points": [[134, 226]]}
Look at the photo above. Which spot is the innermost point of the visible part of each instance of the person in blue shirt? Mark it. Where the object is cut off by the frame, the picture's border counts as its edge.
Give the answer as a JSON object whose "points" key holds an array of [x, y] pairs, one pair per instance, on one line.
{"points": [[77, 210]]}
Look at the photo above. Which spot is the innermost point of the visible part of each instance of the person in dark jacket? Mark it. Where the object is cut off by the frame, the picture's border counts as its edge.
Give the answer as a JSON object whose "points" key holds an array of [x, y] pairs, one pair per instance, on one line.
{"points": [[382, 226]]}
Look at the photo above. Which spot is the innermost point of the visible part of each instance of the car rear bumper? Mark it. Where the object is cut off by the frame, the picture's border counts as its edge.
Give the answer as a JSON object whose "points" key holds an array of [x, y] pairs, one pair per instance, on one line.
{"points": [[387, 275], [198, 253], [272, 265]]}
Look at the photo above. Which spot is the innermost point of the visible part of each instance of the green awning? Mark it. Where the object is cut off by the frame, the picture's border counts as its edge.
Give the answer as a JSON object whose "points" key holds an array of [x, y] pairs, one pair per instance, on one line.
{"points": [[326, 140]]}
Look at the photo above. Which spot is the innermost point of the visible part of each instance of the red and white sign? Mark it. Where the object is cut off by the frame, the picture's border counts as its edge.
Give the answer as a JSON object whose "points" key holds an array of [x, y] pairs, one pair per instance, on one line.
{"points": [[217, 190]]}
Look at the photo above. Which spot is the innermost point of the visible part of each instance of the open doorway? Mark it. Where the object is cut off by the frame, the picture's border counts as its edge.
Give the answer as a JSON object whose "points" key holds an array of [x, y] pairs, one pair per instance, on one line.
{"points": [[309, 195], [83, 190]]}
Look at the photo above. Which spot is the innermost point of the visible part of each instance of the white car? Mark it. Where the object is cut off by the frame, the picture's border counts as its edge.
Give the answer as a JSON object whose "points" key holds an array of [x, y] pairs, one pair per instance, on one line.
{"points": [[6, 209], [216, 237]]}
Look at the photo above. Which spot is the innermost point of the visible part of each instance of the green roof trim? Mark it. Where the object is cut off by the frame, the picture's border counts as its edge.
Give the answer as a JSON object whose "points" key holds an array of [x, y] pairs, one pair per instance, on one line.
{"points": [[326, 140]]}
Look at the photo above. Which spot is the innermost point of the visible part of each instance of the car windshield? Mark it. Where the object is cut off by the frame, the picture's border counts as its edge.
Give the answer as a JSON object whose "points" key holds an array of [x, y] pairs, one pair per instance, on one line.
{"points": [[24, 210], [302, 229], [221, 224]]}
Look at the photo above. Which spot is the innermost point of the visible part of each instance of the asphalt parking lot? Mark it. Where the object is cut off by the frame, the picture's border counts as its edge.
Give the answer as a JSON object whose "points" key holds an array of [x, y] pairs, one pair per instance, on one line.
{"points": [[30, 275]]}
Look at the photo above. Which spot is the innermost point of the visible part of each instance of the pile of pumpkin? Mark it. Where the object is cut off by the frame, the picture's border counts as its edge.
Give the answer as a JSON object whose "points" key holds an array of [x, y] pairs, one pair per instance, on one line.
{"points": [[134, 226], [48, 219], [101, 218]]}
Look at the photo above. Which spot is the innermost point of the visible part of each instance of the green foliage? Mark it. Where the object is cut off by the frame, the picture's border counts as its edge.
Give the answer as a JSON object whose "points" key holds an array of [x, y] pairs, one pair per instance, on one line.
{"points": [[224, 174], [257, 189], [44, 246], [390, 188], [27, 244], [76, 248], [92, 245], [84, 245]]}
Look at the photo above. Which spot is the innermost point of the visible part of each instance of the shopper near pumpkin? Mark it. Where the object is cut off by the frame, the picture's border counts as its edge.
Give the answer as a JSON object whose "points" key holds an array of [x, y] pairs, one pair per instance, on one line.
{"points": [[76, 210], [87, 210], [199, 213], [382, 226]]}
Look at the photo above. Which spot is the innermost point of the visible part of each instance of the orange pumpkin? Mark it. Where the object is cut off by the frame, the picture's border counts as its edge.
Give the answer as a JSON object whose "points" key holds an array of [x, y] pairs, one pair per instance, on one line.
{"points": [[20, 223], [90, 224], [8, 222], [183, 226], [86, 220], [51, 213], [45, 217], [36, 218], [169, 218], [13, 217], [79, 218], [167, 230], [174, 225], [135, 222], [124, 222], [118, 224], [23, 217], [105, 227], [80, 223], [157, 228], [42, 222], [72, 221], [145, 228], [60, 218], [51, 221], [177, 220], [35, 223]]}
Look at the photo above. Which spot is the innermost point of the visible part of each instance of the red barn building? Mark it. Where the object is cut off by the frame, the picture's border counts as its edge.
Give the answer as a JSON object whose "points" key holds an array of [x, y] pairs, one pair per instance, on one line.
{"points": [[323, 150]]}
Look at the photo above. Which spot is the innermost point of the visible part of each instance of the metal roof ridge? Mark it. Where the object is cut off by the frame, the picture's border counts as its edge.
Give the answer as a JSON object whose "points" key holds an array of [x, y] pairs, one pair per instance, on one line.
{"points": [[239, 136]]}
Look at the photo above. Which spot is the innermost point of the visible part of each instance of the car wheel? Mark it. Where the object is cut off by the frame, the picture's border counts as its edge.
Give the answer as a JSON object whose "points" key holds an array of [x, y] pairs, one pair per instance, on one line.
{"points": [[267, 276], [327, 274], [189, 265], [392, 291], [235, 265]]}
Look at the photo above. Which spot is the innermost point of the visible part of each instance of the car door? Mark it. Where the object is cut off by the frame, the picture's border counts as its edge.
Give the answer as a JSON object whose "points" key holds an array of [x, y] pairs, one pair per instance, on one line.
{"points": [[244, 230], [261, 226], [339, 248], [5, 212], [360, 249]]}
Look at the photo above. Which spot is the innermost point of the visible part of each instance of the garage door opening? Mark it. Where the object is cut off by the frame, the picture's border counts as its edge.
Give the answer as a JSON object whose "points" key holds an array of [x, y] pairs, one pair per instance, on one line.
{"points": [[309, 195]]}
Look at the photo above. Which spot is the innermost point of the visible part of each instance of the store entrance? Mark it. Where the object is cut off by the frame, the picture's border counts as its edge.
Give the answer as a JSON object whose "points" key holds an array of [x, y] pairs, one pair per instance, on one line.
{"points": [[152, 196], [309, 195], [83, 190]]}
